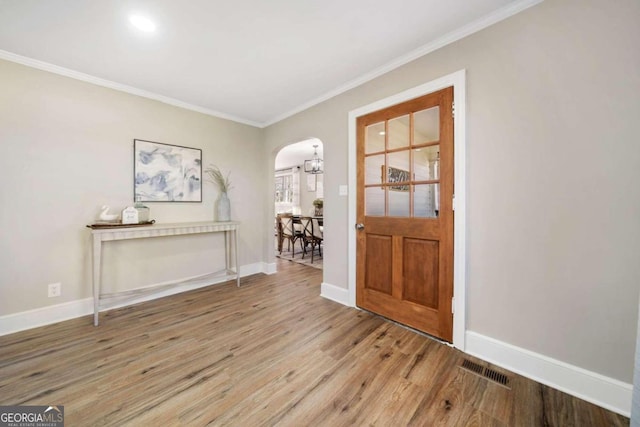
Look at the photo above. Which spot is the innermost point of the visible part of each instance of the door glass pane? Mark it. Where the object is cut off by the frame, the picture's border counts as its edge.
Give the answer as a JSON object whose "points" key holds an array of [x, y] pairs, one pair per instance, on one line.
{"points": [[426, 200], [373, 167], [399, 132], [399, 201], [426, 125], [374, 138], [374, 201], [426, 163], [398, 167]]}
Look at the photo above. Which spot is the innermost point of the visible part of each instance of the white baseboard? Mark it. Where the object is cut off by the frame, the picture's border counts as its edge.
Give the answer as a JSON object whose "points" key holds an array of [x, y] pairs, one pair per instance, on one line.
{"points": [[270, 268], [335, 293], [606, 392], [255, 268], [24, 320]]}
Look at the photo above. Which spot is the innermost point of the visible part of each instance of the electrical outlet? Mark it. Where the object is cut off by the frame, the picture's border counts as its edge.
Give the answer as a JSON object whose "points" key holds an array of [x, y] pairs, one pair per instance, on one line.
{"points": [[55, 289]]}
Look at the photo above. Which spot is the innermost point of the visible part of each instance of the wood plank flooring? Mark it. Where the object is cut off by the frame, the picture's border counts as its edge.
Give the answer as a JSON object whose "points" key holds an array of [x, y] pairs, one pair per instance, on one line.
{"points": [[272, 352]]}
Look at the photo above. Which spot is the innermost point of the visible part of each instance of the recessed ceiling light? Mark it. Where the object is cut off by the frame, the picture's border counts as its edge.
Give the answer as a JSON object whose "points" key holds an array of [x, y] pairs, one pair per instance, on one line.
{"points": [[142, 23], [381, 132]]}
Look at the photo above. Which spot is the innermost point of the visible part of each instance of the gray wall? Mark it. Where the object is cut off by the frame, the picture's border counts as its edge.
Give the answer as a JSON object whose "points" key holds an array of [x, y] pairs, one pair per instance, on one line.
{"points": [[553, 233], [66, 148], [635, 403]]}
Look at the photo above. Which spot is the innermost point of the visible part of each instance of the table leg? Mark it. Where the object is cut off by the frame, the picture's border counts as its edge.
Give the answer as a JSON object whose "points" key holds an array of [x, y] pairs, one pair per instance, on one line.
{"points": [[97, 255], [227, 252], [235, 249]]}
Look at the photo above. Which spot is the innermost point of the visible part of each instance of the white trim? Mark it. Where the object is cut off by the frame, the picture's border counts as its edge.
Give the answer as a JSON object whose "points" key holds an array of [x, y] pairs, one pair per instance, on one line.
{"points": [[335, 293], [457, 80], [41, 65], [473, 27], [460, 218], [255, 268], [600, 390], [269, 268], [24, 320]]}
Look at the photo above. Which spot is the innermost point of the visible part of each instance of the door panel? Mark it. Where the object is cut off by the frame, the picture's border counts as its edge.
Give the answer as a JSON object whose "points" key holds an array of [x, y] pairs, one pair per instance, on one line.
{"points": [[404, 197], [421, 271], [379, 273]]}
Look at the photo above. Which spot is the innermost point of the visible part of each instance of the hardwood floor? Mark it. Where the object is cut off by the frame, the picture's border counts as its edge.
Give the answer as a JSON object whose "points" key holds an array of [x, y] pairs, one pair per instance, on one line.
{"points": [[269, 353]]}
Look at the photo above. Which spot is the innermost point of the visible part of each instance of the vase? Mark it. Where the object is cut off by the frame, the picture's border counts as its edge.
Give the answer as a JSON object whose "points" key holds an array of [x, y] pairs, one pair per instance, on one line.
{"points": [[223, 209]]}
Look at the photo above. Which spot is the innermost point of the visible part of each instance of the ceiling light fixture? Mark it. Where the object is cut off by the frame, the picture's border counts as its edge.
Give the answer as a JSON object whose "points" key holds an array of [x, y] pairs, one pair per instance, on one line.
{"points": [[314, 165], [142, 23]]}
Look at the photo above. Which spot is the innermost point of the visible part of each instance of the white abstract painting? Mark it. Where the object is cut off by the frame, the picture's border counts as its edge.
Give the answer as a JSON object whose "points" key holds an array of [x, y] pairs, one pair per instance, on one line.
{"points": [[166, 173]]}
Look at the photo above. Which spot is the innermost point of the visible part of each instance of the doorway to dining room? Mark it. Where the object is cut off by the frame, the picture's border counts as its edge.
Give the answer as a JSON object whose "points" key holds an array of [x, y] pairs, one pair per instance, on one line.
{"points": [[299, 202]]}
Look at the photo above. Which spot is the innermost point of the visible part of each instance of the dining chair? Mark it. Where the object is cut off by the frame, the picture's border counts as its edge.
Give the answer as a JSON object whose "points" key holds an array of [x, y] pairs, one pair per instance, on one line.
{"points": [[318, 233], [312, 235], [290, 234], [278, 232]]}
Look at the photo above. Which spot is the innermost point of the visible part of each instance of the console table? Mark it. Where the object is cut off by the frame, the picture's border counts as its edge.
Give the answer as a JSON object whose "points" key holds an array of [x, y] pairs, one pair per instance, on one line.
{"points": [[100, 235]]}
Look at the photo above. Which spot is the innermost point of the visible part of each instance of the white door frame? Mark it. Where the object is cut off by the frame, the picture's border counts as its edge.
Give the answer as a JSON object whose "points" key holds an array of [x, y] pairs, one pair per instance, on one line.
{"points": [[458, 81]]}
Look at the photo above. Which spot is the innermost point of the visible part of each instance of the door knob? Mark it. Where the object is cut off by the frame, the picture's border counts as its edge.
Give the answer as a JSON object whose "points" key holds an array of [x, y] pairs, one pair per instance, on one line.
{"points": [[360, 226]]}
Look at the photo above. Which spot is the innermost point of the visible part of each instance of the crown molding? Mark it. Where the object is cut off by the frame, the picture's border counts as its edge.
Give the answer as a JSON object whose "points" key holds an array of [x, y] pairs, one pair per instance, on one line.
{"points": [[473, 27], [41, 65]]}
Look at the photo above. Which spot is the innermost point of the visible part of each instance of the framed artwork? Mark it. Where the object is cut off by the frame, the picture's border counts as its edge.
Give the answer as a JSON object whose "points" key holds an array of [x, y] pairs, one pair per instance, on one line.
{"points": [[166, 173], [311, 182], [397, 175]]}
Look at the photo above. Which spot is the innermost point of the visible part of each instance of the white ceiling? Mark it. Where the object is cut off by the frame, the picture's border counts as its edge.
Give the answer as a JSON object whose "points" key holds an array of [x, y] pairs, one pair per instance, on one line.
{"points": [[253, 61]]}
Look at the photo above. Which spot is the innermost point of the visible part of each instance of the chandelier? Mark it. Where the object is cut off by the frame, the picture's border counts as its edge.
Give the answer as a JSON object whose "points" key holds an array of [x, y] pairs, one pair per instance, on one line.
{"points": [[314, 165]]}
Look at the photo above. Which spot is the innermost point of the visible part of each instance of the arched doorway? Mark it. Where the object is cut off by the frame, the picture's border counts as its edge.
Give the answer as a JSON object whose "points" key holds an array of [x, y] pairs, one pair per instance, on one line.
{"points": [[299, 190]]}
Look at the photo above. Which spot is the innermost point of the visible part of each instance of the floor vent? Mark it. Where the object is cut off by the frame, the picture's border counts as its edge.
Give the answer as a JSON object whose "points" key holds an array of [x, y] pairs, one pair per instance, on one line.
{"points": [[487, 373], [496, 377], [472, 366]]}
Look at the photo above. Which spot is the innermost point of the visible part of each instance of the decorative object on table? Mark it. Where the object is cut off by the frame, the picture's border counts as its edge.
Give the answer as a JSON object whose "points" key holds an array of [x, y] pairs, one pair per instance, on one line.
{"points": [[315, 164], [105, 216], [318, 204], [166, 173], [223, 208], [143, 211], [223, 205], [130, 215]]}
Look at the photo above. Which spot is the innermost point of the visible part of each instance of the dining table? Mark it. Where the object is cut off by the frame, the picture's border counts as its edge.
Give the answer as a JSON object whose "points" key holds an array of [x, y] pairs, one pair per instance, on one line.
{"points": [[297, 223], [297, 219]]}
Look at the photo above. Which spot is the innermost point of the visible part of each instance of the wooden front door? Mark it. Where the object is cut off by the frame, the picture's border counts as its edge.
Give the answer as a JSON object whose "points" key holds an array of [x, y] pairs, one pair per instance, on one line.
{"points": [[405, 213]]}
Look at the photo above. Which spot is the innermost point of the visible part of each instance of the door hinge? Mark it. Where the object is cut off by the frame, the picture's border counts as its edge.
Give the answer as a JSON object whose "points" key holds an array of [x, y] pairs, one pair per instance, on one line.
{"points": [[453, 305], [453, 110], [453, 202]]}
